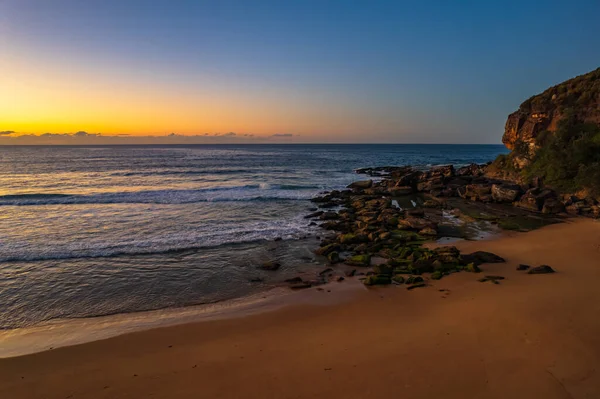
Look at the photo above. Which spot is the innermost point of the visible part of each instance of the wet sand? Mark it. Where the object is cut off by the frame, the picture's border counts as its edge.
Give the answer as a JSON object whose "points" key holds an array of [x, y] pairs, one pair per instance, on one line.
{"points": [[529, 336]]}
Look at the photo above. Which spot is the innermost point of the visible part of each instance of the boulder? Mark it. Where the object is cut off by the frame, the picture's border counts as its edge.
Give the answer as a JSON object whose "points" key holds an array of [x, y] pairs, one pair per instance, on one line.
{"points": [[428, 231], [333, 257], [300, 286], [474, 191], [359, 260], [314, 215], [331, 215], [552, 205], [361, 185], [530, 201], [481, 257], [523, 267], [378, 280], [543, 269], [416, 223], [325, 271], [400, 191], [505, 192], [416, 285]]}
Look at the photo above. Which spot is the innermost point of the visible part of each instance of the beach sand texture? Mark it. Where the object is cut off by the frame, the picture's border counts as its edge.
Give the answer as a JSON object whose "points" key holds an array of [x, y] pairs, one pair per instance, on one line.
{"points": [[531, 336]]}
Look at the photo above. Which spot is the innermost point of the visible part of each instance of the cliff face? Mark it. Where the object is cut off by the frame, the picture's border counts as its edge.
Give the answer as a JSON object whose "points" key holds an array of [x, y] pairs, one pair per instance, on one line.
{"points": [[580, 95]]}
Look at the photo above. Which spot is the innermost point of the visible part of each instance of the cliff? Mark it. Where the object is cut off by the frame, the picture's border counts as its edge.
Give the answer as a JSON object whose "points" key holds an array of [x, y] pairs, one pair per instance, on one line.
{"points": [[579, 96]]}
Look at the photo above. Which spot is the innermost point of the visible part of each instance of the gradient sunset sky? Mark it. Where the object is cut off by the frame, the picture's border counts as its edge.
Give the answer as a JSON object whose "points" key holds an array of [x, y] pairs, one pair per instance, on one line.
{"points": [[318, 71]]}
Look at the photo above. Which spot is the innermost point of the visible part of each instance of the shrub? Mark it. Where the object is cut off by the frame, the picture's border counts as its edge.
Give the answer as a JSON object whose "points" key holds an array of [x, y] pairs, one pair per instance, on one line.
{"points": [[569, 158]]}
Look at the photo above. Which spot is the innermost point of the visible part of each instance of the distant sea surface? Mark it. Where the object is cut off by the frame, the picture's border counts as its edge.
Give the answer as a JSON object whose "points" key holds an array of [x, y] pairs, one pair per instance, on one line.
{"points": [[89, 231]]}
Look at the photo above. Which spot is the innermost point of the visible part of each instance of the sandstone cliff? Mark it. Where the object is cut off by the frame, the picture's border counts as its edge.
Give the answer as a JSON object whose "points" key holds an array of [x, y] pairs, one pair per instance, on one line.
{"points": [[580, 95]]}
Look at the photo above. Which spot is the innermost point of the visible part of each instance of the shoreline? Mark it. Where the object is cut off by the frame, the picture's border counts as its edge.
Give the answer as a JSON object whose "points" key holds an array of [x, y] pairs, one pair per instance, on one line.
{"points": [[531, 335], [58, 333]]}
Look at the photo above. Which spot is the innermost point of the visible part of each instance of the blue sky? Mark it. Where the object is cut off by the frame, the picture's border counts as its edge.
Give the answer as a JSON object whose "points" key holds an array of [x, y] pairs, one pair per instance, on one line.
{"points": [[341, 71]]}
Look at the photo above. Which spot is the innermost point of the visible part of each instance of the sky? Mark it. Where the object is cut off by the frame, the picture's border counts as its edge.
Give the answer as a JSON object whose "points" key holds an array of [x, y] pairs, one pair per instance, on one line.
{"points": [[282, 71]]}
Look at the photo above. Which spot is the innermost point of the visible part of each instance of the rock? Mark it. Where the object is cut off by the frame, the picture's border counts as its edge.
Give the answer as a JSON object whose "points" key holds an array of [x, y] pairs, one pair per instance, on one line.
{"points": [[361, 185], [481, 257], [359, 260], [378, 280], [442, 171], [257, 280], [428, 231], [416, 212], [294, 280], [400, 191], [324, 272], [472, 268], [493, 279], [534, 199], [398, 279], [414, 280], [543, 269], [351, 273], [333, 257], [300, 286], [431, 204], [416, 223], [340, 279], [314, 215], [505, 192], [327, 249], [437, 275], [416, 285], [552, 205], [330, 215], [474, 191], [271, 265], [351, 238], [575, 208], [383, 269], [523, 267], [471, 170]]}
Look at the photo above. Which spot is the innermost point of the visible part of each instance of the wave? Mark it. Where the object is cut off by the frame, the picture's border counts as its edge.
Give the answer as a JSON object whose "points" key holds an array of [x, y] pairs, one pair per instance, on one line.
{"points": [[253, 192], [173, 242]]}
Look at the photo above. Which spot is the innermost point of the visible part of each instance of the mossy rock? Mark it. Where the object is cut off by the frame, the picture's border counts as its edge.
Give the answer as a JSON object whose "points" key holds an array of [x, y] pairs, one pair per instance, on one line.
{"points": [[414, 280], [402, 270], [407, 235], [327, 249], [437, 275], [398, 279], [359, 260], [399, 262], [383, 269], [473, 268], [416, 285], [348, 238], [378, 279], [333, 257]]}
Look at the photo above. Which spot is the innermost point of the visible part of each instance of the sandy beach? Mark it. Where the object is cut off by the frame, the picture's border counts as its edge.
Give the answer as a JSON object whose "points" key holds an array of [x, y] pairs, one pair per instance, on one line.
{"points": [[529, 336]]}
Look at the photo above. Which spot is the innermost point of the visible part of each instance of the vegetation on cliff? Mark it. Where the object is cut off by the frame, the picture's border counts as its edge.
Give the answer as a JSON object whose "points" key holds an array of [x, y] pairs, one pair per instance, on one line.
{"points": [[569, 158], [555, 136], [580, 93]]}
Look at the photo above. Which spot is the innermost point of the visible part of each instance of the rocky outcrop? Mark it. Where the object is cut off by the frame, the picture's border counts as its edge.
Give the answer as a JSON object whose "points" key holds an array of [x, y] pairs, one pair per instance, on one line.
{"points": [[542, 112]]}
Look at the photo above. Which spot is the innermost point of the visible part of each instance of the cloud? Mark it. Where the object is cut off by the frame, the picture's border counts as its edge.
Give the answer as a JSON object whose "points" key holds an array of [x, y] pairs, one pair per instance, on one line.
{"points": [[85, 138], [6, 132], [85, 134], [282, 135]]}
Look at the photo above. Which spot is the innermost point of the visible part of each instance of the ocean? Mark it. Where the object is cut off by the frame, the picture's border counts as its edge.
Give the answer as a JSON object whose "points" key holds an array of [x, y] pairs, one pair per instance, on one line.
{"points": [[92, 231]]}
